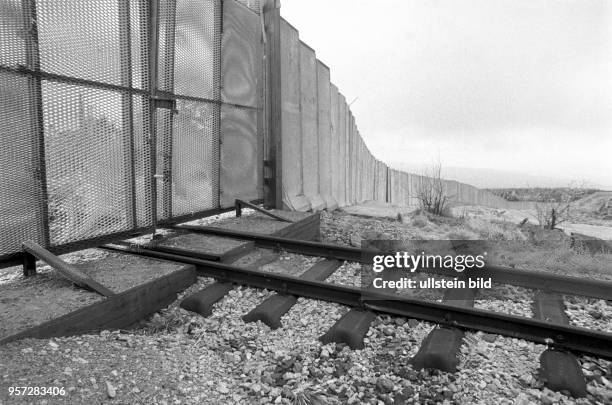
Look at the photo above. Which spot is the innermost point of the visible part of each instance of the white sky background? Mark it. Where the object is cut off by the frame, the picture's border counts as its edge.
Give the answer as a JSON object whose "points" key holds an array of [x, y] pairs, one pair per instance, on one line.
{"points": [[522, 85]]}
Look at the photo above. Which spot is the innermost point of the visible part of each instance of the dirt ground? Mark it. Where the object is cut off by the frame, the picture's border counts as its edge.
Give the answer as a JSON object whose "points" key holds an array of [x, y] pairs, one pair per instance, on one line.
{"points": [[178, 357], [252, 221], [205, 243], [27, 302]]}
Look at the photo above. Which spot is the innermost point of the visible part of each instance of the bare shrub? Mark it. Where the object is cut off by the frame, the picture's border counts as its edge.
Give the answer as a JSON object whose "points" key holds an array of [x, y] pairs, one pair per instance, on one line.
{"points": [[431, 193], [556, 211]]}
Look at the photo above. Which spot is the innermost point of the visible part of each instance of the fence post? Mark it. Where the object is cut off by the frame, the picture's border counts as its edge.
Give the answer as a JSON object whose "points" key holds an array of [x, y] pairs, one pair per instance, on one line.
{"points": [[164, 134], [34, 82], [127, 108], [273, 182], [151, 142]]}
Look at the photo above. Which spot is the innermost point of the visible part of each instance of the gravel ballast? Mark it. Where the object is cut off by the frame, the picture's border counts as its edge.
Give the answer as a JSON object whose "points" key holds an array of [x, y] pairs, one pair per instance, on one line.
{"points": [[177, 357]]}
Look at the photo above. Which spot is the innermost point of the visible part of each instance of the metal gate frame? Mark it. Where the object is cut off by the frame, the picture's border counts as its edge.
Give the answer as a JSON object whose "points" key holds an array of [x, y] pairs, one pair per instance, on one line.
{"points": [[153, 98]]}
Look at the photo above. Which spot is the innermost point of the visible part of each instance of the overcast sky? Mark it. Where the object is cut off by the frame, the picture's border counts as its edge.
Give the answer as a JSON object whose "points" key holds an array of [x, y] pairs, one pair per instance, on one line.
{"points": [[505, 84]]}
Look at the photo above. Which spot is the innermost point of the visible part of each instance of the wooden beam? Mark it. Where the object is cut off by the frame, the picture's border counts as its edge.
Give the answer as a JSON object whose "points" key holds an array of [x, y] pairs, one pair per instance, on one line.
{"points": [[115, 312], [67, 270]]}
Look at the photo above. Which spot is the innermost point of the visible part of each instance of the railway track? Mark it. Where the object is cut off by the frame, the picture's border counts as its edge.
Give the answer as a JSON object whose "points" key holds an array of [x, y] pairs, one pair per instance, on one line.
{"points": [[559, 368]]}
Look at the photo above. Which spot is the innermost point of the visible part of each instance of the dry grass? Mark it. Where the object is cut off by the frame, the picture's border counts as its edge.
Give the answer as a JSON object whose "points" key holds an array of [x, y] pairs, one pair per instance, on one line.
{"points": [[546, 250], [528, 247], [562, 259], [420, 221], [495, 230]]}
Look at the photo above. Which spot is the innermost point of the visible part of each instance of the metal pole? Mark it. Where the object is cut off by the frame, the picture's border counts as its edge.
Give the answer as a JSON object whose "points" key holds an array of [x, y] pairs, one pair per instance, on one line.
{"points": [[34, 81], [127, 106], [167, 126], [150, 144]]}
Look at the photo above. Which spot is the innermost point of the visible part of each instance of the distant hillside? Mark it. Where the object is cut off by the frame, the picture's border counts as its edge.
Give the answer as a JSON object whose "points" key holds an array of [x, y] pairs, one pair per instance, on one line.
{"points": [[597, 205], [539, 194], [492, 178]]}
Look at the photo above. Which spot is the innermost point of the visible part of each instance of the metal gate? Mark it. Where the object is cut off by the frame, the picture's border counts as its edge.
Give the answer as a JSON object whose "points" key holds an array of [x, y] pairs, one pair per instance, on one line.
{"points": [[110, 117]]}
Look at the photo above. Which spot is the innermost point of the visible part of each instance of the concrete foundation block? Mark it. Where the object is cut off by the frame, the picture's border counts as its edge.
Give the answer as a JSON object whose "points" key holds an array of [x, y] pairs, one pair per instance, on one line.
{"points": [[330, 203], [296, 203], [317, 203]]}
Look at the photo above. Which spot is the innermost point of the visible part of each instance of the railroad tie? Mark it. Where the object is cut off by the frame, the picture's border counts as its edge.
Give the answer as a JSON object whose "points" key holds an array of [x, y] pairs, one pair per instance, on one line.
{"points": [[350, 329], [353, 326], [440, 348], [559, 370], [590, 342], [203, 301], [272, 309]]}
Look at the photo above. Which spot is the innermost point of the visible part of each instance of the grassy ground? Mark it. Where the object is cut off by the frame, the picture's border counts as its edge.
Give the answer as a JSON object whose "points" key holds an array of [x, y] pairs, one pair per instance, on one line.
{"points": [[526, 247]]}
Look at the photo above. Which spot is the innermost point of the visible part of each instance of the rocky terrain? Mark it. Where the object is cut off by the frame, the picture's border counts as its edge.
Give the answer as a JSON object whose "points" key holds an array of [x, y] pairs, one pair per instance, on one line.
{"points": [[176, 357]]}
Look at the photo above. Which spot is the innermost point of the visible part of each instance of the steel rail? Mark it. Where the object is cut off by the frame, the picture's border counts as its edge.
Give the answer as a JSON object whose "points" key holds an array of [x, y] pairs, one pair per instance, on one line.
{"points": [[565, 337], [600, 289], [305, 247]]}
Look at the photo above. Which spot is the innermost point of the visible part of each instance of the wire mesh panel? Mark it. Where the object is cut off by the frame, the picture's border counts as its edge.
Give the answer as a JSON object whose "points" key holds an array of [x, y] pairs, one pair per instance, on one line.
{"points": [[188, 138], [138, 41], [21, 196], [197, 48], [83, 131], [165, 44], [81, 39], [22, 208], [86, 141], [12, 34], [195, 157]]}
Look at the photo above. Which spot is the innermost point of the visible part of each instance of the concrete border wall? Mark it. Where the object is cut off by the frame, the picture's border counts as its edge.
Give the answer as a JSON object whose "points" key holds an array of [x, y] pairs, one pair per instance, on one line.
{"points": [[325, 161], [291, 123]]}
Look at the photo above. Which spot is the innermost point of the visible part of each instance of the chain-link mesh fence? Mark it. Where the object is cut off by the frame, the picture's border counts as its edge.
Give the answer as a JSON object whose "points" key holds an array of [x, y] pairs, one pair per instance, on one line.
{"points": [[83, 154]]}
